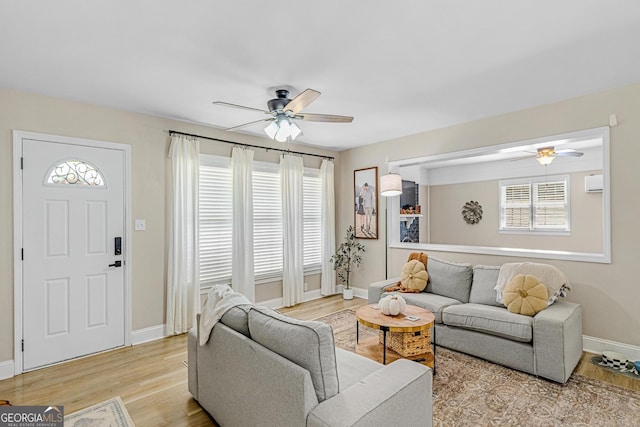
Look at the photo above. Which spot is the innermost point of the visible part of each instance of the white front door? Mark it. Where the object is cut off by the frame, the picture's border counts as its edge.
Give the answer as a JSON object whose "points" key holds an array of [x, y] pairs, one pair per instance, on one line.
{"points": [[73, 296]]}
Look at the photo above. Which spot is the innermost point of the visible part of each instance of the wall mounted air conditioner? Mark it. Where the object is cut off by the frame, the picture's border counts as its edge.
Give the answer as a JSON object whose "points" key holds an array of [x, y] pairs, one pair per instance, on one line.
{"points": [[593, 183]]}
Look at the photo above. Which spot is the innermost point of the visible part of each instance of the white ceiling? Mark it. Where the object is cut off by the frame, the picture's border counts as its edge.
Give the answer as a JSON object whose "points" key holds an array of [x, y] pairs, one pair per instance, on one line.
{"points": [[399, 67]]}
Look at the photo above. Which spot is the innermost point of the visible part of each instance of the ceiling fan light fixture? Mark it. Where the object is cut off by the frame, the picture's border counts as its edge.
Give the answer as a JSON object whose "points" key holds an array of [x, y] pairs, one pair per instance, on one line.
{"points": [[271, 129], [545, 160], [282, 110]]}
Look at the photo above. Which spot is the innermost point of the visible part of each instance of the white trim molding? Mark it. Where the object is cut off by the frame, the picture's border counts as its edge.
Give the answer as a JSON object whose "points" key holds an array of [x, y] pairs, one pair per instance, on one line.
{"points": [[361, 293], [7, 369], [598, 345], [277, 302], [151, 333]]}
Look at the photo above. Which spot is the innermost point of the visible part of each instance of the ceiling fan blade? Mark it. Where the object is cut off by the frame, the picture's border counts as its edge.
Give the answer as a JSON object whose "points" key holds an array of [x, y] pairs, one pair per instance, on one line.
{"points": [[570, 152], [303, 99], [241, 107], [250, 123], [311, 117], [517, 159]]}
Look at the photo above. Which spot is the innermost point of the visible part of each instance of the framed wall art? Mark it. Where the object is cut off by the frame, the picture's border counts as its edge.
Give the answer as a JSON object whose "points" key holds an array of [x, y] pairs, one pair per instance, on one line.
{"points": [[365, 206]]}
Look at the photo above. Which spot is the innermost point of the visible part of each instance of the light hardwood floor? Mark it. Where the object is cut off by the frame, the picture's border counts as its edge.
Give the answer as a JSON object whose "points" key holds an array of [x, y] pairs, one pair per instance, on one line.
{"points": [[151, 378]]}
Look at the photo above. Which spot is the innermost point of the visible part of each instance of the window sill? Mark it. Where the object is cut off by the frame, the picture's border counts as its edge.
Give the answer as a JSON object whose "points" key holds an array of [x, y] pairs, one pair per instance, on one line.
{"points": [[537, 232]]}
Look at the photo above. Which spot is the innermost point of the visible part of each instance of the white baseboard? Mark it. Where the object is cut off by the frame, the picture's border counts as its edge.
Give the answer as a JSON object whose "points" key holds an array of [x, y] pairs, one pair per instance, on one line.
{"points": [[6, 369], [361, 293], [277, 302], [311, 295], [598, 345], [151, 333]]}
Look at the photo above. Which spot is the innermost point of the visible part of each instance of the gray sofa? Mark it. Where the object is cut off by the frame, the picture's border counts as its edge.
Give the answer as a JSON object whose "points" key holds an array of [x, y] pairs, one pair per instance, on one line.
{"points": [[261, 368], [469, 320]]}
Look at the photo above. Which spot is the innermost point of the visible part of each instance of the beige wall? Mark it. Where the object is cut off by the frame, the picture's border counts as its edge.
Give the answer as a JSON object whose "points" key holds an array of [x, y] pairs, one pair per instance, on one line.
{"points": [[609, 293], [448, 226], [149, 142]]}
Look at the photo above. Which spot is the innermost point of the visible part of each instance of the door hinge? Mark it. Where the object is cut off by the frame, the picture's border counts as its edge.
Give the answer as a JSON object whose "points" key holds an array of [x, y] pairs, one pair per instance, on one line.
{"points": [[23, 346], [22, 254], [21, 162]]}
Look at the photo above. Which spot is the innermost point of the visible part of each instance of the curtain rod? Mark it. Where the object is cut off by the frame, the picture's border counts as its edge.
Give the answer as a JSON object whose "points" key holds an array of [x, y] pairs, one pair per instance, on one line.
{"points": [[175, 132]]}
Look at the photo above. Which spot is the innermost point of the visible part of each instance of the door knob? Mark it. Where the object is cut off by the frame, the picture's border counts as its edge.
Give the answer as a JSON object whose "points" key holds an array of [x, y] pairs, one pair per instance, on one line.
{"points": [[116, 264]]}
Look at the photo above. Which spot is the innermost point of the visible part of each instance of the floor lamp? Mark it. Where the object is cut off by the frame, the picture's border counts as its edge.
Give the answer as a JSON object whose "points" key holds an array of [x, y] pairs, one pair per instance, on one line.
{"points": [[390, 186]]}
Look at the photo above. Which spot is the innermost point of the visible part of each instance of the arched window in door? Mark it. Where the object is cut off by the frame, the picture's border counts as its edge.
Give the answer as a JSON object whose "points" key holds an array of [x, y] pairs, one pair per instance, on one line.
{"points": [[75, 172]]}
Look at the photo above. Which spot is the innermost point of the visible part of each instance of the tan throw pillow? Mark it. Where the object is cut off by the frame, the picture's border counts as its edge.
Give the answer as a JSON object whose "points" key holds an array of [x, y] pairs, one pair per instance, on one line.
{"points": [[414, 276], [525, 294]]}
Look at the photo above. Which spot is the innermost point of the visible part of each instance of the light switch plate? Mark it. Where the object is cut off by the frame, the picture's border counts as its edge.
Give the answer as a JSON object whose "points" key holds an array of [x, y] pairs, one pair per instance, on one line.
{"points": [[140, 225]]}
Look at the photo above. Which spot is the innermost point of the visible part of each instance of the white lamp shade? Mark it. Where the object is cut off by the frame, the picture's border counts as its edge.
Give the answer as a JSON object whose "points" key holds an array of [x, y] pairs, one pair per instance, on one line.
{"points": [[545, 160], [271, 129], [390, 185], [284, 131], [295, 130]]}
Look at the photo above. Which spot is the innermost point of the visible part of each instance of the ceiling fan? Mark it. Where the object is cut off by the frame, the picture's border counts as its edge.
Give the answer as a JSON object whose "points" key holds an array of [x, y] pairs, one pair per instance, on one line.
{"points": [[545, 155], [284, 111]]}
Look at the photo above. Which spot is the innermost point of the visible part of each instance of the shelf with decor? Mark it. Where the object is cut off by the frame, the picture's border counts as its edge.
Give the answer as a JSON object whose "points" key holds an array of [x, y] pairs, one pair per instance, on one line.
{"points": [[409, 218], [403, 217]]}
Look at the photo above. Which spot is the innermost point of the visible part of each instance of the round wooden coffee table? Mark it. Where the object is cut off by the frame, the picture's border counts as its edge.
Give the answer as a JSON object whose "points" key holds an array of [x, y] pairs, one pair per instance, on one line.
{"points": [[403, 330]]}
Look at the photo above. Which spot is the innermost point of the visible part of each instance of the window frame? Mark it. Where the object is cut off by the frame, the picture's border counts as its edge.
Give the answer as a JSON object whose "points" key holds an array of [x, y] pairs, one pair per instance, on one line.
{"points": [[534, 205], [264, 167]]}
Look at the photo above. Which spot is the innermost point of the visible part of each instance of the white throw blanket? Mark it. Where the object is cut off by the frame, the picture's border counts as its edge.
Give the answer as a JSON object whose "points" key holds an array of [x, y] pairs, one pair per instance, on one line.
{"points": [[555, 281], [220, 299]]}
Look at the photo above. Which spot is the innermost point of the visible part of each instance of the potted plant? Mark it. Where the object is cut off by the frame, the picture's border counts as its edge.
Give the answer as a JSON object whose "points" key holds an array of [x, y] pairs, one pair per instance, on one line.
{"points": [[348, 255]]}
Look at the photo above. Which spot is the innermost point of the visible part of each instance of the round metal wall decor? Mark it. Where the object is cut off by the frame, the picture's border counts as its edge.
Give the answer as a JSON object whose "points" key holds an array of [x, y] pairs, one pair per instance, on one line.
{"points": [[472, 212]]}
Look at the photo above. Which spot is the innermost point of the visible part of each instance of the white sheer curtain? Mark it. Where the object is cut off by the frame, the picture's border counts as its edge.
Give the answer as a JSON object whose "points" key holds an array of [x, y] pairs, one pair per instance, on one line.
{"points": [[243, 278], [183, 281], [291, 173], [328, 228]]}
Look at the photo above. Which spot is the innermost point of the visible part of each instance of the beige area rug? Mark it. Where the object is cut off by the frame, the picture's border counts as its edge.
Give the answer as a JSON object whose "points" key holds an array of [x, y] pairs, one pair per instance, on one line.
{"points": [[110, 413], [473, 392]]}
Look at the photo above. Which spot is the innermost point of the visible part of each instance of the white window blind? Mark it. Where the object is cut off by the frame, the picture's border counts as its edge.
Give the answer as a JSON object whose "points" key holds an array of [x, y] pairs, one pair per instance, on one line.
{"points": [[535, 204], [516, 206], [550, 205], [267, 222], [312, 189], [215, 220]]}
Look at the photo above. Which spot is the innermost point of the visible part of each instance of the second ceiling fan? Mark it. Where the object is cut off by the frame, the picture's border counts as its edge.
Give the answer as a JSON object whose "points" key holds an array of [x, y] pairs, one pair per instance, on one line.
{"points": [[283, 112], [545, 155]]}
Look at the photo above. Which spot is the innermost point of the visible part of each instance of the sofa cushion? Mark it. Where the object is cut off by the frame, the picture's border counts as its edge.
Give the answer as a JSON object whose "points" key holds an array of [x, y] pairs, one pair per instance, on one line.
{"points": [[484, 281], [490, 320], [352, 367], [449, 279], [237, 318], [308, 344], [432, 302]]}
